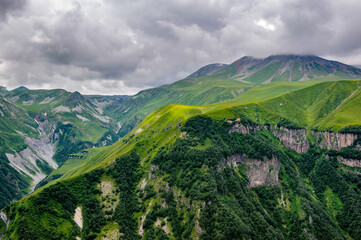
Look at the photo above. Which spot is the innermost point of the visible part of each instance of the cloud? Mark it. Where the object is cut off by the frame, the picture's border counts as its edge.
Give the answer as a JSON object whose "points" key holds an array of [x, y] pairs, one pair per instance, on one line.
{"points": [[9, 7], [265, 25], [112, 46]]}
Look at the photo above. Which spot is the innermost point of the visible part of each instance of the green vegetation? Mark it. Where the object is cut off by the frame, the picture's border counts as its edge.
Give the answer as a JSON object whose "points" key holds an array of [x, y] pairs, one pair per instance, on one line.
{"points": [[180, 173], [193, 191]]}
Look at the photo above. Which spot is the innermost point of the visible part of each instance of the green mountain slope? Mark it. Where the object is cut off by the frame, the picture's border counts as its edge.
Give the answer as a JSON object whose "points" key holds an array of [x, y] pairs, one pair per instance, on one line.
{"points": [[220, 82], [207, 70], [192, 91], [39, 129], [325, 106], [220, 171], [283, 68], [13, 121]]}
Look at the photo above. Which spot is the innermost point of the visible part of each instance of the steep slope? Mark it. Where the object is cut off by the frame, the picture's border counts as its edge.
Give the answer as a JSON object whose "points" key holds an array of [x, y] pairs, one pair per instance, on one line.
{"points": [[39, 129], [14, 122], [324, 106], [77, 118], [286, 68], [208, 70], [216, 171], [192, 91]]}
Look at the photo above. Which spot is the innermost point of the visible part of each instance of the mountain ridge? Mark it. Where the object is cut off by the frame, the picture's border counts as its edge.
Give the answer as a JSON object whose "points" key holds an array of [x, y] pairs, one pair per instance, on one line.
{"points": [[288, 67]]}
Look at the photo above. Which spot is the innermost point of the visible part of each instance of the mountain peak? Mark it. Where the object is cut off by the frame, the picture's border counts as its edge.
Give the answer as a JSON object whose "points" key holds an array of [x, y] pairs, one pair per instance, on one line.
{"points": [[208, 70], [21, 88], [286, 67], [74, 99]]}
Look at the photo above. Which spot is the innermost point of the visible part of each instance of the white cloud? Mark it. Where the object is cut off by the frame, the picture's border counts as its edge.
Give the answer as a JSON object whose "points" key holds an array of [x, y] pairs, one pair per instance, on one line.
{"points": [[263, 23]]}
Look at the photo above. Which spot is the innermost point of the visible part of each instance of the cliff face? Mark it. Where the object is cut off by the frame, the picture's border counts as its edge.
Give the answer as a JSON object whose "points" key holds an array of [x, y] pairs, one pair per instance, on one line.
{"points": [[294, 139], [350, 162], [260, 172], [240, 128], [334, 140]]}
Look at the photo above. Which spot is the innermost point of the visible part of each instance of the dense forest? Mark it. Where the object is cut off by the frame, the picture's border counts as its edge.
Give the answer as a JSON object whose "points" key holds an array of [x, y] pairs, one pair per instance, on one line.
{"points": [[193, 190]]}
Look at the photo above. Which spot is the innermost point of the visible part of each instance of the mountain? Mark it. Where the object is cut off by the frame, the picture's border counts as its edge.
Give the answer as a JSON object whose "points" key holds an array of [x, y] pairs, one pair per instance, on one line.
{"points": [[195, 91], [221, 82], [39, 129], [21, 88], [2, 90], [264, 166], [286, 68], [208, 70], [208, 157]]}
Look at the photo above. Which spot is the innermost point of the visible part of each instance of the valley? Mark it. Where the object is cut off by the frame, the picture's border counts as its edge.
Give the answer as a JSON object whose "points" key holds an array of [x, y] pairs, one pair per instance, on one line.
{"points": [[257, 149]]}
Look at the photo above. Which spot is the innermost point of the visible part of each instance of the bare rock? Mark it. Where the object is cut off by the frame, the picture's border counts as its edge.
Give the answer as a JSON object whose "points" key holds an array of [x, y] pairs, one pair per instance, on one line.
{"points": [[294, 139]]}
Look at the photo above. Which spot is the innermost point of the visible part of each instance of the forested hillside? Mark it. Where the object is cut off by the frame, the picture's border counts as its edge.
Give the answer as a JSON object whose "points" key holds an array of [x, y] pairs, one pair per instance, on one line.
{"points": [[222, 171]]}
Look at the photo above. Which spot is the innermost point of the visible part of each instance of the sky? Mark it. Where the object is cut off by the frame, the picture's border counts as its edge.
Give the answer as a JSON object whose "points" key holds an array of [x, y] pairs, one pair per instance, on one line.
{"points": [[122, 47]]}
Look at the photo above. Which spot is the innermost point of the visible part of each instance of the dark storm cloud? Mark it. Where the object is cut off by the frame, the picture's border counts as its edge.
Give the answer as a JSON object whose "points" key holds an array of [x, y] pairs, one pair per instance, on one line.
{"points": [[115, 46], [8, 7]]}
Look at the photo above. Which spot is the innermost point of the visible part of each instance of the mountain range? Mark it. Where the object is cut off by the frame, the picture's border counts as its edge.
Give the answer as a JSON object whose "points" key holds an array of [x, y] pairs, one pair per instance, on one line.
{"points": [[257, 149]]}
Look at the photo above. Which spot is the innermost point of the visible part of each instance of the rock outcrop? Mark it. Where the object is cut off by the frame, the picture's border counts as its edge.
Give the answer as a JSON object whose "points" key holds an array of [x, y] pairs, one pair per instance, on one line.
{"points": [[4, 219], [240, 128], [334, 140], [294, 139], [260, 172], [350, 162]]}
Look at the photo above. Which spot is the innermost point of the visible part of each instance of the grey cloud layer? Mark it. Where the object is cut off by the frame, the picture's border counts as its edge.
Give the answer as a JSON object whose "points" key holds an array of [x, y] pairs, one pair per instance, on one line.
{"points": [[9, 7], [114, 46]]}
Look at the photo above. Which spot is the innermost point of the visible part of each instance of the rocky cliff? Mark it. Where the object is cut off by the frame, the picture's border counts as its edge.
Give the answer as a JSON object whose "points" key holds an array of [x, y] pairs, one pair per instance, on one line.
{"points": [[244, 129], [350, 162], [334, 140], [260, 172], [294, 139]]}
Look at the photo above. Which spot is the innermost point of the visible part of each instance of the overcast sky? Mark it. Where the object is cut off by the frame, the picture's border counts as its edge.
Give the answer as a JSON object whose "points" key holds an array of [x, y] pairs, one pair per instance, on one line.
{"points": [[121, 47]]}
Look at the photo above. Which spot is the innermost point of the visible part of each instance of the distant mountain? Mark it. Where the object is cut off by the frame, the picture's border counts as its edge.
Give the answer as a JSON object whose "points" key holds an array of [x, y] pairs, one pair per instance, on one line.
{"points": [[3, 90], [208, 70], [286, 68], [21, 88], [39, 129]]}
